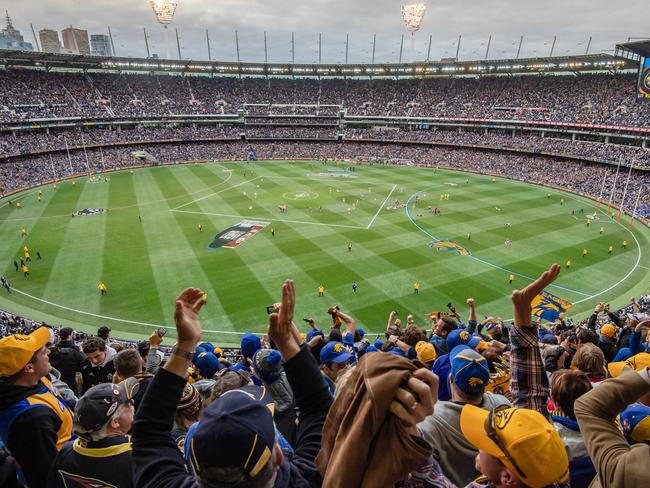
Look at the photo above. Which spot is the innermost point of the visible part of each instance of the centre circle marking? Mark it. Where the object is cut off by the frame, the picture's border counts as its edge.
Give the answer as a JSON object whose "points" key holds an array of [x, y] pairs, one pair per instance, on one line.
{"points": [[300, 195]]}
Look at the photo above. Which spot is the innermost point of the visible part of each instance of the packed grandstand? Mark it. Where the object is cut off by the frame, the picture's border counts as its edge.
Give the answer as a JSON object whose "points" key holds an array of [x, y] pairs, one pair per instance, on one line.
{"points": [[560, 405]]}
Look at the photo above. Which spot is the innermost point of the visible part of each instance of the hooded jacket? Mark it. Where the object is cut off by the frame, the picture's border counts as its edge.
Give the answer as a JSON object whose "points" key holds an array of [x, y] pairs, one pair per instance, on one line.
{"points": [[31, 429], [364, 445], [94, 375], [448, 444]]}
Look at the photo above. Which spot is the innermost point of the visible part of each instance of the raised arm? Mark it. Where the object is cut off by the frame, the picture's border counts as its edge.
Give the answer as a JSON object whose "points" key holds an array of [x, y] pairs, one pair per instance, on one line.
{"points": [[528, 380]]}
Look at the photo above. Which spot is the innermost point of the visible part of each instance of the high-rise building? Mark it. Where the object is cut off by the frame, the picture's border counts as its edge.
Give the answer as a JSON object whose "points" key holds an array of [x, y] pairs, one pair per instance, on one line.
{"points": [[76, 40], [11, 38], [101, 45], [49, 41]]}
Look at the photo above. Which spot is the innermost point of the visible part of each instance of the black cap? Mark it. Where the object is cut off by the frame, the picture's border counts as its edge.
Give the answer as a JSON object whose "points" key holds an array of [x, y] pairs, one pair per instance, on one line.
{"points": [[101, 401]]}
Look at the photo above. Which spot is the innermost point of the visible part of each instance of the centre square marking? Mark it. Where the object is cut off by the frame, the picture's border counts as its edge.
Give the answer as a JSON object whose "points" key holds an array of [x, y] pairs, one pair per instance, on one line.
{"points": [[300, 195]]}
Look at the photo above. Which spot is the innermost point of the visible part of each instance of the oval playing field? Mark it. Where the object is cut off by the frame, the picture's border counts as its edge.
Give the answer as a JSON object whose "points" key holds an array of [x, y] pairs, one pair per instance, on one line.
{"points": [[139, 233]]}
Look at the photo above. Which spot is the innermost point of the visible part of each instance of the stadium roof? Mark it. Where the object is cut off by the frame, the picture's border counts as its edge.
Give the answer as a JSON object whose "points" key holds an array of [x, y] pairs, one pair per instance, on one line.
{"points": [[638, 48], [451, 67]]}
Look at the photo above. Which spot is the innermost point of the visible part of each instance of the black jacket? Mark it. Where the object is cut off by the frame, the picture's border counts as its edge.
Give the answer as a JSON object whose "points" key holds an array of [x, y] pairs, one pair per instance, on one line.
{"points": [[32, 435], [68, 362], [158, 462], [94, 375], [68, 344], [102, 463]]}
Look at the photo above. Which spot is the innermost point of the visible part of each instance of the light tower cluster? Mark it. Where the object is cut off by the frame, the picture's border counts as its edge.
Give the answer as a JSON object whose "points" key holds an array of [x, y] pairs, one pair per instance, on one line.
{"points": [[164, 11], [413, 15]]}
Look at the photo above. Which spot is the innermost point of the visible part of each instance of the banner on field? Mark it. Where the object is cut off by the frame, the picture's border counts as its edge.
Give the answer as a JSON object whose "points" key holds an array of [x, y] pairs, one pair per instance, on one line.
{"points": [[451, 246], [237, 234], [549, 307]]}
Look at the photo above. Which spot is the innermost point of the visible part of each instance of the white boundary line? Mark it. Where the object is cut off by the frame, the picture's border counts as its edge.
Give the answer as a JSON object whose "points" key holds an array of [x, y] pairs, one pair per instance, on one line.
{"points": [[272, 219], [113, 318], [214, 193], [381, 206]]}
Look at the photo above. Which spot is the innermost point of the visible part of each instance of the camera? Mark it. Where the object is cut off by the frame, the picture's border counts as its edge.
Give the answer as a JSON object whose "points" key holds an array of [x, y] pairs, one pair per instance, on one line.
{"points": [[161, 332]]}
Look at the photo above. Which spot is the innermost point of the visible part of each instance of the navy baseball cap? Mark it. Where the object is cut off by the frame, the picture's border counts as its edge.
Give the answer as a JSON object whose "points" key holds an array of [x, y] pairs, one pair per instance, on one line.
{"points": [[208, 364], [236, 430], [457, 337], [100, 402], [334, 352], [469, 369], [348, 339]]}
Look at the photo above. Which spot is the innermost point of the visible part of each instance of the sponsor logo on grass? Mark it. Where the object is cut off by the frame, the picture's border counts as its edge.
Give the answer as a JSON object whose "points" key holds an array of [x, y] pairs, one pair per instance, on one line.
{"points": [[451, 246], [335, 174], [237, 234], [300, 195], [89, 212]]}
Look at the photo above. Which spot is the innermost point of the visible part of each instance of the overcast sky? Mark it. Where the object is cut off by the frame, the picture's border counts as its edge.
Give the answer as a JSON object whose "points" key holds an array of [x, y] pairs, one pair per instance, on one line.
{"points": [[572, 21]]}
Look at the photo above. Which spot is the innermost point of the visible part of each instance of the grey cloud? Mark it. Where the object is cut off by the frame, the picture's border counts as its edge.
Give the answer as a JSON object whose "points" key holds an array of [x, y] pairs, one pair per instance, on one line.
{"points": [[506, 20]]}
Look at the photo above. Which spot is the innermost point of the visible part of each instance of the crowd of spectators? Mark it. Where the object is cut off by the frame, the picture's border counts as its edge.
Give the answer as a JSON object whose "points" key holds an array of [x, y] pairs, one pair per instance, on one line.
{"points": [[579, 177], [595, 151], [584, 99], [453, 402]]}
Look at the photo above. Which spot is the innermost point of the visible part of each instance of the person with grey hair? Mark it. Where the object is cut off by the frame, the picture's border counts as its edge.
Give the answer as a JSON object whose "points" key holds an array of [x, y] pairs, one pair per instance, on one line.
{"points": [[102, 450]]}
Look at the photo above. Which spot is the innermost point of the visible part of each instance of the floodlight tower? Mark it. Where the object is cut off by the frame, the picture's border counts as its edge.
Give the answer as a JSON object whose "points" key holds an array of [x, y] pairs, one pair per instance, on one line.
{"points": [[164, 11], [413, 15]]}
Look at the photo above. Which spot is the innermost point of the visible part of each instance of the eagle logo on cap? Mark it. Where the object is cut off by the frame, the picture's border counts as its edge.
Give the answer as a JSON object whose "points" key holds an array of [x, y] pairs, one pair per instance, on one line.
{"points": [[338, 348], [464, 335], [502, 417], [475, 381]]}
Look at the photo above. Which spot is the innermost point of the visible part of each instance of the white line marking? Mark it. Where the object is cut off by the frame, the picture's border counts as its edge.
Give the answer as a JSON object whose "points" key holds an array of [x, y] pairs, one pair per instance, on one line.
{"points": [[644, 267], [381, 206], [113, 318], [215, 193], [272, 219]]}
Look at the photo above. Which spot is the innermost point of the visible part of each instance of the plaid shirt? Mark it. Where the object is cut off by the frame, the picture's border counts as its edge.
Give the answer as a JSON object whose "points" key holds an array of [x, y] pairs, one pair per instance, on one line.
{"points": [[528, 380]]}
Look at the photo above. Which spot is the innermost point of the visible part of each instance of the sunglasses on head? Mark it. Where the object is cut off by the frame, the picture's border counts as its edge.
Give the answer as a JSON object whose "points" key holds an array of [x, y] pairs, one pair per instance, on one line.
{"points": [[491, 431]]}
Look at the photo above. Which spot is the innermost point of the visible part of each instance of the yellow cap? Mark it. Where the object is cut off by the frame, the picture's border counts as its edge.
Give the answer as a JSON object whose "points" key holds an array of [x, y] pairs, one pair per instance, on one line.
{"points": [[16, 351], [529, 439], [608, 331], [426, 352], [636, 362]]}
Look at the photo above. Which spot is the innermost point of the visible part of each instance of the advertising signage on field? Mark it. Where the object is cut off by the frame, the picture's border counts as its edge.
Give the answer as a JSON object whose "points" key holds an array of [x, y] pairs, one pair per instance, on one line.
{"points": [[644, 79]]}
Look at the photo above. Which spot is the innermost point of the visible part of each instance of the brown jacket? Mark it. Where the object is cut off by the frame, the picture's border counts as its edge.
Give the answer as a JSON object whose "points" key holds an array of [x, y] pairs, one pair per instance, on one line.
{"points": [[618, 464], [364, 445]]}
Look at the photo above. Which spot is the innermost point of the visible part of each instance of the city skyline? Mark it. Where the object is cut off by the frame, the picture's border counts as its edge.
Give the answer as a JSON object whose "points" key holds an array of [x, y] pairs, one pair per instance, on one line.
{"points": [[506, 21]]}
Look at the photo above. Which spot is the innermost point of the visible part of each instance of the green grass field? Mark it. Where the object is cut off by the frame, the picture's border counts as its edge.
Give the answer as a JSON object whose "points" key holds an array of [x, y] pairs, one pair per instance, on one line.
{"points": [[145, 264]]}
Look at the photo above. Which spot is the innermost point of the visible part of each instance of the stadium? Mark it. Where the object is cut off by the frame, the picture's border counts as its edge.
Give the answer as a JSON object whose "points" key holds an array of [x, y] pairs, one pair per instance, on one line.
{"points": [[412, 193]]}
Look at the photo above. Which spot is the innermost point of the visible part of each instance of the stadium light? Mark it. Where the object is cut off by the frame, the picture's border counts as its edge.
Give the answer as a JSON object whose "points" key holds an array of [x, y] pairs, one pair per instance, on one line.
{"points": [[164, 11], [412, 15]]}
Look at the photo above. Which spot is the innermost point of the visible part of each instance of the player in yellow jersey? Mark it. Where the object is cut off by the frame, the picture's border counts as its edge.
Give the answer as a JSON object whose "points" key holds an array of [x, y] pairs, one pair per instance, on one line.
{"points": [[610, 249], [200, 227], [28, 257], [102, 288], [25, 270], [624, 245], [561, 201], [568, 264], [511, 278], [19, 205], [588, 222], [321, 291], [584, 253], [416, 287], [25, 249], [23, 232], [602, 229]]}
